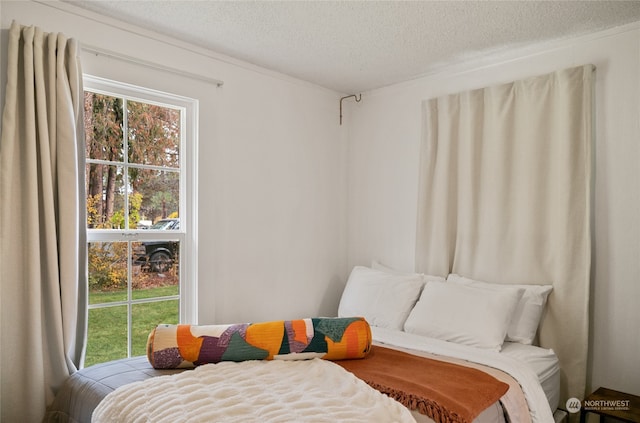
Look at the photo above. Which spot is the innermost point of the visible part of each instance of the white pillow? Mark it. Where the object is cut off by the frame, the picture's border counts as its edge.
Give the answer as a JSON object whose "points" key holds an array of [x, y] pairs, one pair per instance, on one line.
{"points": [[375, 264], [463, 314], [527, 315], [383, 299]]}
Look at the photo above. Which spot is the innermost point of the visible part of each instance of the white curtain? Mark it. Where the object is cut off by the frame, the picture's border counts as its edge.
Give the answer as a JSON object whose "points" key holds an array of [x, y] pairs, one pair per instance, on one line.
{"points": [[42, 235], [505, 197]]}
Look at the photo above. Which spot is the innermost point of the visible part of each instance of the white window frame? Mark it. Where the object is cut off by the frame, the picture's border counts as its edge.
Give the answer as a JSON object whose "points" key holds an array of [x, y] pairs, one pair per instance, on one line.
{"points": [[188, 207]]}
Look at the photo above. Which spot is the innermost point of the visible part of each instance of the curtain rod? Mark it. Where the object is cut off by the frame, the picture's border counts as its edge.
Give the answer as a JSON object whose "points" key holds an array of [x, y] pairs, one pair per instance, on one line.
{"points": [[136, 61]]}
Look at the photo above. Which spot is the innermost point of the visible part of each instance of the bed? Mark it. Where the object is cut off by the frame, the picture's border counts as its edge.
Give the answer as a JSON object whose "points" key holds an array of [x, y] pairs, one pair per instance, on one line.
{"points": [[397, 308]]}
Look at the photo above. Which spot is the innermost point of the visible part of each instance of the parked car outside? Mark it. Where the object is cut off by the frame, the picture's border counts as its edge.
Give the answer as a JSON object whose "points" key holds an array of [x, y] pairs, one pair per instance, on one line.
{"points": [[166, 224], [159, 256]]}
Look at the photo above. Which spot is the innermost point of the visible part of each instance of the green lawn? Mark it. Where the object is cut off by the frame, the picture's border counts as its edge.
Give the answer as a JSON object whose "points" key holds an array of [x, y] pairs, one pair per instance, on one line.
{"points": [[107, 337], [97, 297]]}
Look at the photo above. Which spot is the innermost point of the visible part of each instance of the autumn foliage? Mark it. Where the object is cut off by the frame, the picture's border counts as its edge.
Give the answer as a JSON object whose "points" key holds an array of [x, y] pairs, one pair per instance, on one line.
{"points": [[132, 175]]}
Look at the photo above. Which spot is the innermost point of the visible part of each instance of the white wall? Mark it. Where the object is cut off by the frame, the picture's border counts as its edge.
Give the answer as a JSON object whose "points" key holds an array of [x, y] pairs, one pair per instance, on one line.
{"points": [[383, 167], [272, 181]]}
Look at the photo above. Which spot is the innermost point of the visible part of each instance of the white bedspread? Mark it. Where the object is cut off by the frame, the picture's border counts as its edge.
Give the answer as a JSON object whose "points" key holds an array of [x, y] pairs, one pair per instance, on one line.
{"points": [[253, 391], [521, 372]]}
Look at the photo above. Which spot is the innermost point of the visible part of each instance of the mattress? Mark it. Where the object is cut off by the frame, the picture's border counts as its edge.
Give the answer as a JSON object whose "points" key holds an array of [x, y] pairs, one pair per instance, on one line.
{"points": [[544, 363], [82, 393]]}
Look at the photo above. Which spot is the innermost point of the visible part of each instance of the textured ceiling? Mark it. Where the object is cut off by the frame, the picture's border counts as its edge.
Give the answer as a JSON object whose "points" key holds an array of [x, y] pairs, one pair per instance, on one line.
{"points": [[354, 46]]}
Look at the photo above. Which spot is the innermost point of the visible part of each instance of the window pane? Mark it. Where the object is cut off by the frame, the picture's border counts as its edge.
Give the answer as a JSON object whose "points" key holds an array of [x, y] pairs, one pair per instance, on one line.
{"points": [[133, 181], [154, 134], [107, 272], [155, 269], [153, 195], [105, 196], [145, 317], [103, 127], [107, 334]]}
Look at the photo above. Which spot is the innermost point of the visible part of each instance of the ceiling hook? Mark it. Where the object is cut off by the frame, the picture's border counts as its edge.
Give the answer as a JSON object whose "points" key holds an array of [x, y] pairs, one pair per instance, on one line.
{"points": [[357, 98]]}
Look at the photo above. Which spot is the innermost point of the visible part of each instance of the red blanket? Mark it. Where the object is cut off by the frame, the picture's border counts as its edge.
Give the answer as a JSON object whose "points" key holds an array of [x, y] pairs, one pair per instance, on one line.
{"points": [[446, 392]]}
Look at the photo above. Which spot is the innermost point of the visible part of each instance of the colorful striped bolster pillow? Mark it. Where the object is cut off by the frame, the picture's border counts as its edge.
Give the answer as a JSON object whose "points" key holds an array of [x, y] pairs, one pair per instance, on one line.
{"points": [[184, 346]]}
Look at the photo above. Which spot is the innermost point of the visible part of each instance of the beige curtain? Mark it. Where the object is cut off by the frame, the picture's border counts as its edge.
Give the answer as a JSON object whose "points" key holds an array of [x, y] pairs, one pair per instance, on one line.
{"points": [[505, 197], [42, 240]]}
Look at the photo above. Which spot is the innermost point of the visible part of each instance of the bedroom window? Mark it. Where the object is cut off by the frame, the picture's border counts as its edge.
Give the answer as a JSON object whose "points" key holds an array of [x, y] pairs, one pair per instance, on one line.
{"points": [[139, 181]]}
